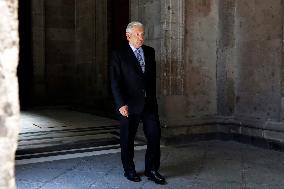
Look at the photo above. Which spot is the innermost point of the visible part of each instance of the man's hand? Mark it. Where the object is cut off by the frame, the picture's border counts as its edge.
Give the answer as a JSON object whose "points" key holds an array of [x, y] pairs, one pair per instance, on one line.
{"points": [[124, 110]]}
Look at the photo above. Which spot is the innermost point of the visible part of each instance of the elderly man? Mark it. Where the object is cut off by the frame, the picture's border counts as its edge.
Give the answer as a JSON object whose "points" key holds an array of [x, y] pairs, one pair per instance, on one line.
{"points": [[133, 84]]}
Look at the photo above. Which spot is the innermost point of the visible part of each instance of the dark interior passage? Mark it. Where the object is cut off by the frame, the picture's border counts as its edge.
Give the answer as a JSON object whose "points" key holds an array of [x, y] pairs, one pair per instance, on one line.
{"points": [[73, 68], [25, 67], [119, 18]]}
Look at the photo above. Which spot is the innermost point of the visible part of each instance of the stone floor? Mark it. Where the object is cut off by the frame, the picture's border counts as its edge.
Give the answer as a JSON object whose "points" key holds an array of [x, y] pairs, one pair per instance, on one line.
{"points": [[65, 149], [60, 133], [201, 165]]}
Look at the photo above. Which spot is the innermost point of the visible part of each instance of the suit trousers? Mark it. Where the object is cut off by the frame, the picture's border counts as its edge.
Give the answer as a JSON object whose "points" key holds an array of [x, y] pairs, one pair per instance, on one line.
{"points": [[152, 131]]}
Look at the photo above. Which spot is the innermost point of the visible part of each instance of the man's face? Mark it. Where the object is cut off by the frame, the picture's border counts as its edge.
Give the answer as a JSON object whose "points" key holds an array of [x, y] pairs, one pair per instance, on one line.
{"points": [[136, 36]]}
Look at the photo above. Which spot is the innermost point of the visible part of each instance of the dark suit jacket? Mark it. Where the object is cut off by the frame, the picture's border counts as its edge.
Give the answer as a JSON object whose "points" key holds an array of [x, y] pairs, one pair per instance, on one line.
{"points": [[129, 83]]}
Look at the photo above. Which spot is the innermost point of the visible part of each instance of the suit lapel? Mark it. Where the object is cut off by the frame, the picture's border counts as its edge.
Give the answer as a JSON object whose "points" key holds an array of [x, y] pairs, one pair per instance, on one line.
{"points": [[133, 62]]}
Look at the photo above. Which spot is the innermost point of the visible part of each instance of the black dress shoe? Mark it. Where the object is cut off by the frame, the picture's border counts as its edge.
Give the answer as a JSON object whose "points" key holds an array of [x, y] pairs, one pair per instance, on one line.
{"points": [[132, 176], [155, 176]]}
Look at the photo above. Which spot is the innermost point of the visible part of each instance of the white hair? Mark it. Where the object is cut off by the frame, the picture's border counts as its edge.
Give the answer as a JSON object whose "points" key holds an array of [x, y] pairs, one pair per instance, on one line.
{"points": [[133, 24]]}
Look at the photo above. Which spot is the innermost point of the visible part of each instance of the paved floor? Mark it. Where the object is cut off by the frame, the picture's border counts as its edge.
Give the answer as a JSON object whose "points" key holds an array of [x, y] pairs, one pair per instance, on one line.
{"points": [[202, 165], [60, 133], [65, 149]]}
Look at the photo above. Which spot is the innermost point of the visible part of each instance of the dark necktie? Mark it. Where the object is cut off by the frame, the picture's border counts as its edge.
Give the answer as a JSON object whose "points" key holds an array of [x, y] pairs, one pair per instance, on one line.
{"points": [[140, 60]]}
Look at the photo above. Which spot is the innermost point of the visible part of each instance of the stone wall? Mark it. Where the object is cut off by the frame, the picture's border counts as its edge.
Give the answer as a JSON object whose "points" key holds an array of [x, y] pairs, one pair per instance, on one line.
{"points": [[164, 29], [91, 52], [9, 103], [60, 66], [70, 52], [227, 77], [259, 56], [53, 47], [184, 36], [201, 25], [39, 94], [226, 58]]}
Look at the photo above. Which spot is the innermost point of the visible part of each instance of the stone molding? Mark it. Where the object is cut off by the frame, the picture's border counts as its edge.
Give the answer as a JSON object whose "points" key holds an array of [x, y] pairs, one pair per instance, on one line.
{"points": [[253, 129]]}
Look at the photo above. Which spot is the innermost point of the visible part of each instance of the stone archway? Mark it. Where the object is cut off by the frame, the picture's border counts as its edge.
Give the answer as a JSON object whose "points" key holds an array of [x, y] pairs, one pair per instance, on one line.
{"points": [[9, 103]]}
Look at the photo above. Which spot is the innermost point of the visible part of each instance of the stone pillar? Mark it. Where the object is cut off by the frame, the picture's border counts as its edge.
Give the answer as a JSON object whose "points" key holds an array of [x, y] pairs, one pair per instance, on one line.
{"points": [[84, 47], [282, 68], [59, 43], [38, 48], [259, 55], [164, 29], [172, 64], [100, 74], [226, 58], [53, 51], [9, 103], [91, 33], [201, 26]]}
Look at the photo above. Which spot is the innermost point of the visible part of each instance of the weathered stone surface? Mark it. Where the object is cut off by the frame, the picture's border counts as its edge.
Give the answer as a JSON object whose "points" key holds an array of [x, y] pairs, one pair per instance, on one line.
{"points": [[9, 103], [200, 57], [91, 52], [226, 58], [59, 50], [231, 62], [38, 51], [259, 44]]}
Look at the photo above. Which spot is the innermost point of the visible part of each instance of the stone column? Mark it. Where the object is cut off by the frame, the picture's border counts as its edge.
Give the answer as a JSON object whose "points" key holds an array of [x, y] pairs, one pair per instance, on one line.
{"points": [[38, 51], [201, 26], [164, 29], [259, 55], [172, 67], [91, 52], [100, 58], [84, 47], [9, 103], [226, 58], [282, 67]]}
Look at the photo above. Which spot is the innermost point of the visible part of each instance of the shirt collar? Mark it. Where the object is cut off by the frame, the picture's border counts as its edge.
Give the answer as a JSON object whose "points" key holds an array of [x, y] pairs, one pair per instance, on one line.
{"points": [[133, 48]]}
